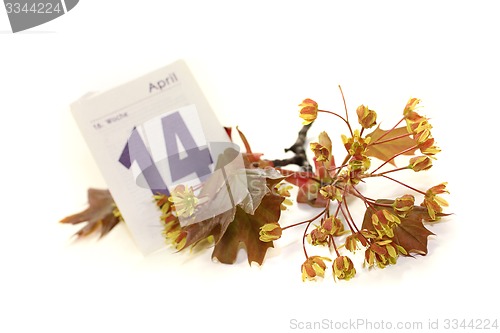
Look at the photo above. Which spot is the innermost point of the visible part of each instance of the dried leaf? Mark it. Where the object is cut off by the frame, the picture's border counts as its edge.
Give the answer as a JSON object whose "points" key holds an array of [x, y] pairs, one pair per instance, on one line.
{"points": [[386, 150], [99, 215]]}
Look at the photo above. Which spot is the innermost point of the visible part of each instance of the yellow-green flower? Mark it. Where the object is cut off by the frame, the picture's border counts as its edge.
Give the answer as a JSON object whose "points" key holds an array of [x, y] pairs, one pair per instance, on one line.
{"points": [[284, 191], [331, 192], [427, 146], [343, 268], [383, 222], [410, 107], [433, 202], [308, 111], [177, 238], [270, 232], [351, 241], [314, 267], [404, 205], [383, 253], [184, 201]]}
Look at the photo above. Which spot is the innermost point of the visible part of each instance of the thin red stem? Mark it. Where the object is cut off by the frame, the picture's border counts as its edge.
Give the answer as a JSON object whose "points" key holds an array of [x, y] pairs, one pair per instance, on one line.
{"points": [[336, 168], [391, 139], [395, 155], [401, 183], [304, 240], [337, 115], [334, 245], [389, 131], [345, 107], [306, 221], [344, 163], [350, 216], [388, 171]]}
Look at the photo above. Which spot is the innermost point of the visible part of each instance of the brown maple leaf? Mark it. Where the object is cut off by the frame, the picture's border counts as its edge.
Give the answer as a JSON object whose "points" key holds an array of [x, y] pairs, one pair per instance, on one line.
{"points": [[245, 229], [411, 233], [386, 149], [99, 215], [242, 223]]}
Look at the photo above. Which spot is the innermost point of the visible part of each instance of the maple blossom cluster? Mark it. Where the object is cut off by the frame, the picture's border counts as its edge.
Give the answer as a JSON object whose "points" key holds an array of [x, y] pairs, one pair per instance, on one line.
{"points": [[391, 227]]}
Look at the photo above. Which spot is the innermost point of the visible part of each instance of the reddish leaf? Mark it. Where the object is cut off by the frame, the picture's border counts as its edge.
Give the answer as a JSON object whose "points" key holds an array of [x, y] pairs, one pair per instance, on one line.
{"points": [[99, 215], [229, 132], [309, 194], [386, 150], [297, 178]]}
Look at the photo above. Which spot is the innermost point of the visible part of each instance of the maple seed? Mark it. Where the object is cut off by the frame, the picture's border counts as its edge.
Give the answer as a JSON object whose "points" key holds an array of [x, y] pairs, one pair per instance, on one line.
{"points": [[308, 111], [343, 268], [270, 232]]}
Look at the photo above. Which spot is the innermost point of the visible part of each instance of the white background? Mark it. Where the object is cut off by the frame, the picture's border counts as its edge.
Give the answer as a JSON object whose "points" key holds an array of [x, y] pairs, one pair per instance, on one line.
{"points": [[255, 60]]}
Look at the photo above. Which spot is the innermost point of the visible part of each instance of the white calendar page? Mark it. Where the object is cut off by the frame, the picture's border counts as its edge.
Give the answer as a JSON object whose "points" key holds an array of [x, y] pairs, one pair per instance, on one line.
{"points": [[134, 130]]}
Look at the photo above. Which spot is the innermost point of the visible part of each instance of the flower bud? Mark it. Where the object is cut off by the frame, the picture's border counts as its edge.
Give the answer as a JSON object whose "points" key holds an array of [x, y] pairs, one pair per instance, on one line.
{"points": [[420, 163], [343, 268], [313, 267], [333, 226], [320, 152], [366, 117], [318, 237], [308, 111]]}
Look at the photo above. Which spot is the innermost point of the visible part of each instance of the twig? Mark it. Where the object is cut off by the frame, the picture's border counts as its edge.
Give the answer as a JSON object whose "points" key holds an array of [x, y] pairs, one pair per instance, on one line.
{"points": [[300, 157]]}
